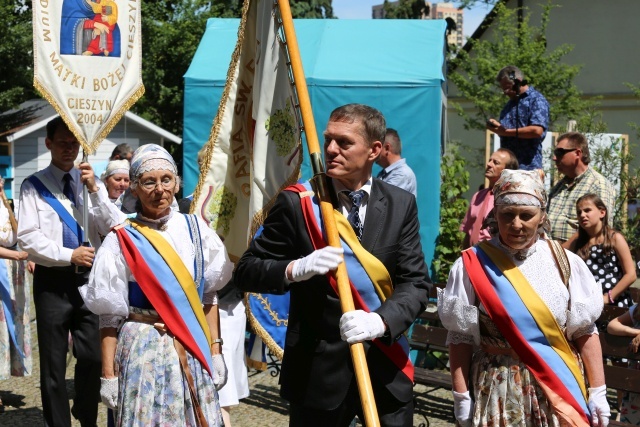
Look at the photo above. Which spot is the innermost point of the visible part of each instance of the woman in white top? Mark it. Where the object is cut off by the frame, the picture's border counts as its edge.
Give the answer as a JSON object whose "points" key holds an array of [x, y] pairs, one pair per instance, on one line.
{"points": [[154, 284], [520, 313]]}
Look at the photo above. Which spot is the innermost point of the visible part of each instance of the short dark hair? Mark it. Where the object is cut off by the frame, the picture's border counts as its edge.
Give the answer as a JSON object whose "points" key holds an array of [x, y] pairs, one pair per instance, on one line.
{"points": [[512, 163], [53, 126], [394, 141], [508, 71], [577, 140], [121, 151], [372, 120]]}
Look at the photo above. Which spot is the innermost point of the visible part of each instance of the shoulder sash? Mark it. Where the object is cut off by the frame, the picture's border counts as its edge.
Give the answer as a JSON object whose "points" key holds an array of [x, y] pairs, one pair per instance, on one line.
{"points": [[530, 328], [167, 283], [7, 305], [59, 202], [369, 279]]}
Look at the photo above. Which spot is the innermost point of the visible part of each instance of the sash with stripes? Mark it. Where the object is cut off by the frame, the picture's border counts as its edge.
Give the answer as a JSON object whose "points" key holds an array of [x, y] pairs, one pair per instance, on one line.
{"points": [[7, 305], [59, 203], [369, 279], [168, 285], [530, 328]]}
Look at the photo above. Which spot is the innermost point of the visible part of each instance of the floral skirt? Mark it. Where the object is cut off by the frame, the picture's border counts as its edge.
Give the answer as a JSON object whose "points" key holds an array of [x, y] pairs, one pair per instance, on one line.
{"points": [[507, 394], [152, 389], [11, 362]]}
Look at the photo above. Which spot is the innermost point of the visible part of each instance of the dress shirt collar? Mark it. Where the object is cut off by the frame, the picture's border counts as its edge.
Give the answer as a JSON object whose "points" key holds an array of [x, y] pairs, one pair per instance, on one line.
{"points": [[59, 174], [343, 192], [395, 165]]}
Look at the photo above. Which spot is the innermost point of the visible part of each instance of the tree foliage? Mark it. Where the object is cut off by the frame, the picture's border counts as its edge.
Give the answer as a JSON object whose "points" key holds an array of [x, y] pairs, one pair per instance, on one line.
{"points": [[405, 9], [454, 181], [311, 9], [524, 45], [16, 70]]}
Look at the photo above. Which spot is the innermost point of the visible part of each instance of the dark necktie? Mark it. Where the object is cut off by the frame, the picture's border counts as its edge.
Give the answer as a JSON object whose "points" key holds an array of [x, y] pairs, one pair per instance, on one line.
{"points": [[354, 217], [382, 174], [69, 239]]}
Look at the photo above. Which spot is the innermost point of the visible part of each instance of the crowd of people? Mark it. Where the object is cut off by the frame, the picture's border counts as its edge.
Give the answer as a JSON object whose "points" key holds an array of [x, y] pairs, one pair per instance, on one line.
{"points": [[152, 306]]}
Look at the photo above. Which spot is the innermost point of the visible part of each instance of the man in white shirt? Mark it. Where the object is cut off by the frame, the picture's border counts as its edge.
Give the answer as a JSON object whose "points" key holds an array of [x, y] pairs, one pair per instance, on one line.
{"points": [[49, 229]]}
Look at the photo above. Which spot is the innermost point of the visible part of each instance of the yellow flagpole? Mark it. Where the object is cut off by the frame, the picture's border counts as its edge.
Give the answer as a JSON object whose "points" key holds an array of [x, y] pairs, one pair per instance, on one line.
{"points": [[344, 289]]}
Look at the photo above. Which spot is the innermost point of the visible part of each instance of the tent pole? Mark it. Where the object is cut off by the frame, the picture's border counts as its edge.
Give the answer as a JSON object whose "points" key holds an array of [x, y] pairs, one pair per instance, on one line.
{"points": [[344, 289]]}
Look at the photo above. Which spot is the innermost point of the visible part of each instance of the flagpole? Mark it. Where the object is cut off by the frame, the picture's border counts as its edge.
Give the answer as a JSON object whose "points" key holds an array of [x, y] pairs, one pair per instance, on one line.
{"points": [[344, 289]]}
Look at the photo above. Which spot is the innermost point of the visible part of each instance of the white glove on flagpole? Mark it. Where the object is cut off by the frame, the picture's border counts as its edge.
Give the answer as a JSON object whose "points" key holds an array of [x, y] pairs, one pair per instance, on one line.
{"points": [[599, 407], [358, 326], [317, 262], [220, 373], [463, 408], [109, 392]]}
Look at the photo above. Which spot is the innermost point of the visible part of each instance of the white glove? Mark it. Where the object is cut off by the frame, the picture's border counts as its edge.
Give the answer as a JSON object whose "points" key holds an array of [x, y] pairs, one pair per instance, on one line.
{"points": [[599, 407], [463, 408], [219, 371], [317, 262], [358, 325], [109, 392]]}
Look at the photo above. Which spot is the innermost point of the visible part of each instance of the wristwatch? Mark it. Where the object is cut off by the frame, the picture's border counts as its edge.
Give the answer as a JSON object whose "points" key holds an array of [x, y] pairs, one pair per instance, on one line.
{"points": [[217, 340]]}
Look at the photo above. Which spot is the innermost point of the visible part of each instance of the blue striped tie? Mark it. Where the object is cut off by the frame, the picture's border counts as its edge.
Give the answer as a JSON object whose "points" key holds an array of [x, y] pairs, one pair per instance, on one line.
{"points": [[354, 213]]}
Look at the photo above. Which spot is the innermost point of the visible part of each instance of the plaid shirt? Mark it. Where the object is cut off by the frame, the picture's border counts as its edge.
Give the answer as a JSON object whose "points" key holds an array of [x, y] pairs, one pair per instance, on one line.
{"points": [[565, 194]]}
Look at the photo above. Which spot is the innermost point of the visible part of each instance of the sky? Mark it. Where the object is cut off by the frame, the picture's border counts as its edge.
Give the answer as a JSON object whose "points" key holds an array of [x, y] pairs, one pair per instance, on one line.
{"points": [[361, 9]]}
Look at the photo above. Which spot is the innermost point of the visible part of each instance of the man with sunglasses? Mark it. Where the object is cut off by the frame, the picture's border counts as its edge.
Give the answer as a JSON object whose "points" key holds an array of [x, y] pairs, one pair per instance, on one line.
{"points": [[523, 120], [572, 158]]}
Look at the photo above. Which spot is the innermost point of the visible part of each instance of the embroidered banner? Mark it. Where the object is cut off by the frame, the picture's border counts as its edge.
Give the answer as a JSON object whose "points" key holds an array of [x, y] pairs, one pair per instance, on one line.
{"points": [[87, 62], [254, 149]]}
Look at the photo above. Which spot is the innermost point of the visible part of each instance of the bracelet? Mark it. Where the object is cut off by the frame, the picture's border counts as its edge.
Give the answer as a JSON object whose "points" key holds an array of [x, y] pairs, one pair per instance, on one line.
{"points": [[216, 341], [611, 301]]}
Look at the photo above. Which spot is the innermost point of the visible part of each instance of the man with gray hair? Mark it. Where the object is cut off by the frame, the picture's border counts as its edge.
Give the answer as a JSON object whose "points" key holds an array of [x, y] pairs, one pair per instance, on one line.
{"points": [[396, 171], [524, 120]]}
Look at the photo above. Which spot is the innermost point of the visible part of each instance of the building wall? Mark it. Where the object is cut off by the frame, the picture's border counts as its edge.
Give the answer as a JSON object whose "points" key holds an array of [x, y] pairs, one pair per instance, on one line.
{"points": [[600, 35]]}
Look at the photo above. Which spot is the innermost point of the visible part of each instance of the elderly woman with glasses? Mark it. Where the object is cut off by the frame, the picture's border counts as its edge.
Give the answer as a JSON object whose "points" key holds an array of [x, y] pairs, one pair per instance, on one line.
{"points": [[520, 311], [154, 284]]}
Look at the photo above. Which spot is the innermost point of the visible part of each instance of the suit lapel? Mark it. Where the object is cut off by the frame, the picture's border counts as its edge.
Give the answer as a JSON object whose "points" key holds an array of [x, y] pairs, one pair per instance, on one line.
{"points": [[375, 217]]}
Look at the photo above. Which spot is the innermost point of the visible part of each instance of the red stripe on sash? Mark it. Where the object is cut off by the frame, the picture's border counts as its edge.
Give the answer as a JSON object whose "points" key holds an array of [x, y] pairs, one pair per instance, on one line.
{"points": [[498, 314], [158, 298], [394, 352]]}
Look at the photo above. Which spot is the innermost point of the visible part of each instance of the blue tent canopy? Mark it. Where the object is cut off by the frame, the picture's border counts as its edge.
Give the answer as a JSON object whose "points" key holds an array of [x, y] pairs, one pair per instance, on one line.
{"points": [[396, 66]]}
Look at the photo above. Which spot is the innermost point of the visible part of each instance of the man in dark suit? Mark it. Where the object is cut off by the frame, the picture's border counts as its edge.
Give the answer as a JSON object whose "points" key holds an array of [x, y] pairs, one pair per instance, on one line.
{"points": [[317, 373]]}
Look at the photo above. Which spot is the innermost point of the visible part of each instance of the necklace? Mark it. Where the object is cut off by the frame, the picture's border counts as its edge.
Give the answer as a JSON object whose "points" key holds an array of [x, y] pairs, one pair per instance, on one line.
{"points": [[519, 254]]}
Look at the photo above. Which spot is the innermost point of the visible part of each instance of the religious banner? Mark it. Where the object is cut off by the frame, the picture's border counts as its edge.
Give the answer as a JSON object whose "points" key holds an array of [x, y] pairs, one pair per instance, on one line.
{"points": [[87, 62], [253, 151]]}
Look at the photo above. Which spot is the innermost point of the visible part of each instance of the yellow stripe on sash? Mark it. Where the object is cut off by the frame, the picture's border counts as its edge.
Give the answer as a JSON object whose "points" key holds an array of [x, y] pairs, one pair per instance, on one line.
{"points": [[181, 272], [375, 269], [538, 308]]}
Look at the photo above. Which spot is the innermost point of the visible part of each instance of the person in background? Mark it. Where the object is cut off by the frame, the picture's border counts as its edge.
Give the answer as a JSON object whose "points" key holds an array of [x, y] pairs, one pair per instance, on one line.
{"points": [[524, 120], [396, 171], [473, 225], [628, 325], [379, 223], [154, 285], [116, 178], [572, 159], [517, 308], [15, 299], [50, 230], [122, 152]]}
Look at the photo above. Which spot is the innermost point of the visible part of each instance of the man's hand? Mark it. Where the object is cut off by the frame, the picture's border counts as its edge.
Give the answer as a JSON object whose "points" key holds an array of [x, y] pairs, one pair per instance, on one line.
{"points": [[635, 344], [317, 262], [358, 326], [83, 256], [31, 266], [88, 177], [494, 126]]}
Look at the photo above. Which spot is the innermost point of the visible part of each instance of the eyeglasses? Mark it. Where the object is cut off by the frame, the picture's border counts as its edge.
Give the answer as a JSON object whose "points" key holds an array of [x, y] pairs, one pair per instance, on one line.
{"points": [[166, 184], [559, 152]]}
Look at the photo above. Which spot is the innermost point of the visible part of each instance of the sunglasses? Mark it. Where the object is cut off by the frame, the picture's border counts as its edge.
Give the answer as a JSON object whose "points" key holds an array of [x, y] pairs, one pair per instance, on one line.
{"points": [[559, 152]]}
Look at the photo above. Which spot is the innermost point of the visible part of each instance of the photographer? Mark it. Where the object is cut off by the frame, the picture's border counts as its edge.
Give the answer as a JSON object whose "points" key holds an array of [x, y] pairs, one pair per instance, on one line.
{"points": [[523, 120]]}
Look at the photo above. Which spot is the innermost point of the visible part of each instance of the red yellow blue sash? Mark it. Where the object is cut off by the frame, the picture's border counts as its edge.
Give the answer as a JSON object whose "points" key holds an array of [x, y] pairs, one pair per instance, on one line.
{"points": [[369, 279], [168, 285], [530, 328]]}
